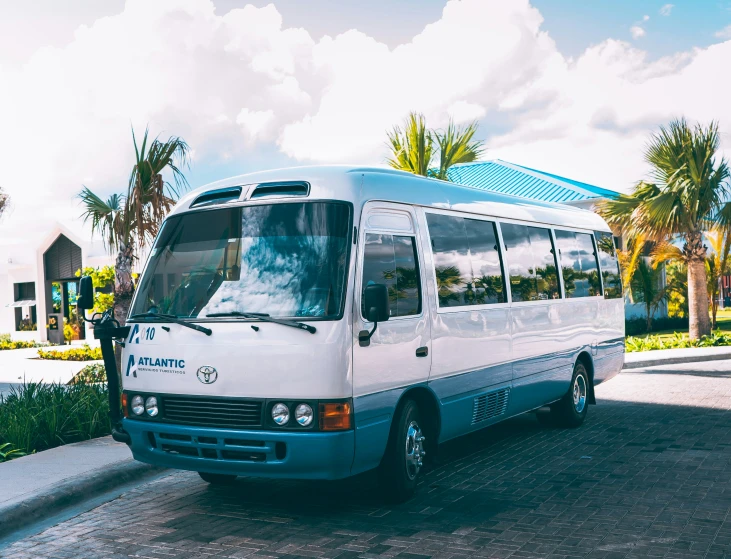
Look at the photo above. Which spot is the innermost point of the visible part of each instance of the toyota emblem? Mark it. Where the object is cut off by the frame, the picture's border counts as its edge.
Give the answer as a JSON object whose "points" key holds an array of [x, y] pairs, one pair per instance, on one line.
{"points": [[207, 375]]}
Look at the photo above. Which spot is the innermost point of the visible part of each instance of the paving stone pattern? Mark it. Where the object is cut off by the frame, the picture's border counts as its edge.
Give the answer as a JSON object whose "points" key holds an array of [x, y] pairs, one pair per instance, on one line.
{"points": [[648, 475]]}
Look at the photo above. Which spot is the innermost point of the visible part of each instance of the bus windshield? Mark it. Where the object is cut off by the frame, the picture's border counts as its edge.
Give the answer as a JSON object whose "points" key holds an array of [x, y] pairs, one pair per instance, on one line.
{"points": [[284, 260]]}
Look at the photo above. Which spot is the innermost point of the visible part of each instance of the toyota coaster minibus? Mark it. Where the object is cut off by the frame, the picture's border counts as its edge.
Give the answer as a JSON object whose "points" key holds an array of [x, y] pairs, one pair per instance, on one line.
{"points": [[320, 322]]}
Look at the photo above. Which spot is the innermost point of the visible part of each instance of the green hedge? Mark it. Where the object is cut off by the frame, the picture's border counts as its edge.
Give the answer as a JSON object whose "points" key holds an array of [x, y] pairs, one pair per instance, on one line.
{"points": [[679, 340], [635, 326], [6, 342]]}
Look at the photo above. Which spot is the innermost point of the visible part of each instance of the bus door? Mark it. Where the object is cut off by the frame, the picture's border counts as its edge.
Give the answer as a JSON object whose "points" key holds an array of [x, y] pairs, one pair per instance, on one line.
{"points": [[398, 354]]}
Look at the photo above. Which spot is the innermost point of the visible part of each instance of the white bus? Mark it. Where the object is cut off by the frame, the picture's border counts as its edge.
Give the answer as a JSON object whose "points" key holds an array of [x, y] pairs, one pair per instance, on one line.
{"points": [[320, 322]]}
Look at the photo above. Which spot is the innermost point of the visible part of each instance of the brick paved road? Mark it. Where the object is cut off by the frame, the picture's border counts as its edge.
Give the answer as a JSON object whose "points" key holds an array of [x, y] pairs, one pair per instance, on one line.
{"points": [[648, 475]]}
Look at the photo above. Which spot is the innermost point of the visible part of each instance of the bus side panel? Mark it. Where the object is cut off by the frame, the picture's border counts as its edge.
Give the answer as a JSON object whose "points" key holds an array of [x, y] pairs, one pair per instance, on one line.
{"points": [[609, 358], [464, 396]]}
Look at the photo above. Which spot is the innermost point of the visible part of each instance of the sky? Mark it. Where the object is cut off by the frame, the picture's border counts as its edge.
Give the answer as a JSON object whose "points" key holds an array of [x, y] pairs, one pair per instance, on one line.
{"points": [[572, 88]]}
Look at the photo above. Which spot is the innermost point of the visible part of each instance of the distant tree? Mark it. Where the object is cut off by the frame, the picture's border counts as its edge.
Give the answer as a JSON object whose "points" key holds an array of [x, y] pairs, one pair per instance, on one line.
{"points": [[414, 147], [645, 288], [4, 201]]}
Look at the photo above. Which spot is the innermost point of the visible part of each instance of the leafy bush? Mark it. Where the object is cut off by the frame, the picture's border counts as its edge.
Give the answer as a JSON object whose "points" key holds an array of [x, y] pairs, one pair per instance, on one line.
{"points": [[35, 417], [7, 452], [90, 374], [6, 342], [679, 340], [83, 353], [635, 326]]}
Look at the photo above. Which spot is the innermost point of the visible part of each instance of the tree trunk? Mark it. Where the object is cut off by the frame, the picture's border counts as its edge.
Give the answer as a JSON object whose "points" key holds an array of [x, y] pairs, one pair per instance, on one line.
{"points": [[649, 318], [700, 323], [123, 292]]}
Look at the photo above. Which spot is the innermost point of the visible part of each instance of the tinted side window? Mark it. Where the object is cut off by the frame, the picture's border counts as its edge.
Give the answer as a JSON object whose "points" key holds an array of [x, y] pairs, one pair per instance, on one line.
{"points": [[532, 264], [609, 265], [466, 261], [544, 260], [487, 271], [578, 264], [391, 260], [520, 262]]}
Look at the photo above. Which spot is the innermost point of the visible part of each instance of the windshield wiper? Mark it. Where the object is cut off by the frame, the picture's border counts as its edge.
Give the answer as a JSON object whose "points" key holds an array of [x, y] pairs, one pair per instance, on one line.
{"points": [[175, 319], [266, 318]]}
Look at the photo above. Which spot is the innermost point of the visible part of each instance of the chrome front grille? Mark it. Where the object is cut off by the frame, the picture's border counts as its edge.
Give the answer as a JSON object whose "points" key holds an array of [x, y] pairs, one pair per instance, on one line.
{"points": [[492, 404], [224, 413]]}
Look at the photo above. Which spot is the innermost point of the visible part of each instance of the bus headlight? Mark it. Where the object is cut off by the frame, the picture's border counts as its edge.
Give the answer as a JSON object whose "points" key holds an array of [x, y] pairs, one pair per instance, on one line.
{"points": [[303, 415], [138, 405], [151, 406], [280, 414]]}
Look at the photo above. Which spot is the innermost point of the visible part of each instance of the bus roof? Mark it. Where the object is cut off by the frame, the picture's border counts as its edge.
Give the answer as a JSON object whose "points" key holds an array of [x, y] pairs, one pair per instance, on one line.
{"points": [[360, 184]]}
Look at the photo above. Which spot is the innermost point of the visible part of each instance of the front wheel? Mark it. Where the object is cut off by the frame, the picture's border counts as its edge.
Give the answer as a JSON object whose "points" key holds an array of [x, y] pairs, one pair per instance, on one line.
{"points": [[217, 479], [404, 456], [571, 410]]}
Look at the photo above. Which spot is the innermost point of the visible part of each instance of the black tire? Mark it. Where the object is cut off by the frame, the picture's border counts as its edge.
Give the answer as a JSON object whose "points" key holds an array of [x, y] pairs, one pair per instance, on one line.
{"points": [[571, 410], [217, 479], [399, 472]]}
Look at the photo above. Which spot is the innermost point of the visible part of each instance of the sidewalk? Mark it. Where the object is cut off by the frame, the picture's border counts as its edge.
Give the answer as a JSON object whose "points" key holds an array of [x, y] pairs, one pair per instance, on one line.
{"points": [[639, 359], [43, 484]]}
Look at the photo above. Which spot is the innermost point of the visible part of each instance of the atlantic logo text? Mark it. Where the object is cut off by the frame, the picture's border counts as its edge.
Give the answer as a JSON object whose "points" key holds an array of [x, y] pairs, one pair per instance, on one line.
{"points": [[155, 365]]}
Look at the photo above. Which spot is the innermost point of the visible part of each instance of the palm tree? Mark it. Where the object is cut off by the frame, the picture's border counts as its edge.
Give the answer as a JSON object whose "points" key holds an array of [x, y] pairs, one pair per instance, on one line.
{"points": [[688, 195], [129, 221], [645, 288], [414, 147], [717, 265]]}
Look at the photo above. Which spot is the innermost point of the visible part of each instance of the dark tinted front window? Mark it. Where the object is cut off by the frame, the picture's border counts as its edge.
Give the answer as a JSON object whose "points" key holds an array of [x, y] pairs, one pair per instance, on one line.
{"points": [[286, 260], [578, 264], [531, 261], [391, 260], [466, 261], [609, 265]]}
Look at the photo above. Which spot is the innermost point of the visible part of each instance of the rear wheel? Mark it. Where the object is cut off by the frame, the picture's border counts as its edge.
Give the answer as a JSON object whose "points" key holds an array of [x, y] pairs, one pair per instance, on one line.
{"points": [[400, 467], [571, 410], [217, 479]]}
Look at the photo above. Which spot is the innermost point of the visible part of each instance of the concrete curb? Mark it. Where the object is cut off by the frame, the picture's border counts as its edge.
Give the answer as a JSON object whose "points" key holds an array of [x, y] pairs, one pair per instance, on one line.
{"points": [[51, 501], [652, 362]]}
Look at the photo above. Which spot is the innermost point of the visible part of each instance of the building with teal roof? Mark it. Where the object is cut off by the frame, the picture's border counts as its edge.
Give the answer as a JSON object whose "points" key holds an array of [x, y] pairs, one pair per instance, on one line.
{"points": [[509, 178]]}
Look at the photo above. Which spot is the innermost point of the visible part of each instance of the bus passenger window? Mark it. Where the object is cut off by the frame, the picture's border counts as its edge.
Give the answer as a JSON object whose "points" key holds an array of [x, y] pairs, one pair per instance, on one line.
{"points": [[578, 264], [531, 261], [609, 265], [391, 260], [466, 261]]}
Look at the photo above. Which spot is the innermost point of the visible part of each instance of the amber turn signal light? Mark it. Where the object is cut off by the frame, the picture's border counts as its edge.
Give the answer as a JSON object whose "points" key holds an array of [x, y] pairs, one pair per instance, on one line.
{"points": [[124, 405], [335, 416]]}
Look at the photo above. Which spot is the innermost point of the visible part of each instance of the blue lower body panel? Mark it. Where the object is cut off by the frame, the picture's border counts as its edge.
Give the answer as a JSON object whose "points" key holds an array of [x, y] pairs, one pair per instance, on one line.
{"points": [[273, 454]]}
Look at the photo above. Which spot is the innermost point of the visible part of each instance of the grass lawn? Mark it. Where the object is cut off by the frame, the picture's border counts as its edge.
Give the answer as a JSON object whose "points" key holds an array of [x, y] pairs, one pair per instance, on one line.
{"points": [[723, 319]]}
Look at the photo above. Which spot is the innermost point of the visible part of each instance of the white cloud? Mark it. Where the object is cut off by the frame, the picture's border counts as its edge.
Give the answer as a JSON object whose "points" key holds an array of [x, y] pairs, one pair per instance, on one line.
{"points": [[645, 18], [724, 33], [666, 9], [636, 31], [241, 84]]}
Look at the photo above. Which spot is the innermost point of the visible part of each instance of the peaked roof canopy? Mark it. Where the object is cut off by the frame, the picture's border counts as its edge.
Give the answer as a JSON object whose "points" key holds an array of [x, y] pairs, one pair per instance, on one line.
{"points": [[508, 178]]}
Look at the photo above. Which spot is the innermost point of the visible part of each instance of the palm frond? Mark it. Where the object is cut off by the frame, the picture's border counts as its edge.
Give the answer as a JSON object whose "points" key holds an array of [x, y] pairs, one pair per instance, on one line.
{"points": [[412, 149], [456, 145]]}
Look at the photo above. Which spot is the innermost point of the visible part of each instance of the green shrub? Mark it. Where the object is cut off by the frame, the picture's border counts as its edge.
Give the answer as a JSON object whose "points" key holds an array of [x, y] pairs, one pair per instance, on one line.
{"points": [[90, 374], [7, 452], [678, 340], [35, 417], [6, 342], [83, 353]]}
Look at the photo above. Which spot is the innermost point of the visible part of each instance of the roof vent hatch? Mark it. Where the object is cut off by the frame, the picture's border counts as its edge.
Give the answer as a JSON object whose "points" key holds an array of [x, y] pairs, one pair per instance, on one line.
{"points": [[286, 188], [214, 197]]}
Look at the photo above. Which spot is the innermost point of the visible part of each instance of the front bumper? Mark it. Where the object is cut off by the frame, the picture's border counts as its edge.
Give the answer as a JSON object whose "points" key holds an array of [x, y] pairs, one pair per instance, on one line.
{"points": [[273, 454]]}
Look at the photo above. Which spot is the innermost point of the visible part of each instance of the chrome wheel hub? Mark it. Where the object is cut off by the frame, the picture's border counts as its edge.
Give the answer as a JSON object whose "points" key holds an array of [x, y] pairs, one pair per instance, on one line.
{"points": [[579, 394], [414, 450]]}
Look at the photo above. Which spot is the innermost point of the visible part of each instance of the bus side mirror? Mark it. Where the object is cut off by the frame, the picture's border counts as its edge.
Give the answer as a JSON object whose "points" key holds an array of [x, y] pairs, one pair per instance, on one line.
{"points": [[375, 303], [85, 299]]}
